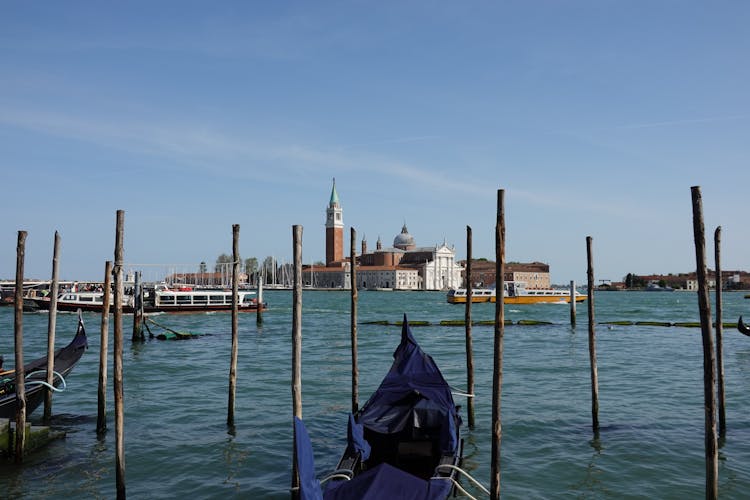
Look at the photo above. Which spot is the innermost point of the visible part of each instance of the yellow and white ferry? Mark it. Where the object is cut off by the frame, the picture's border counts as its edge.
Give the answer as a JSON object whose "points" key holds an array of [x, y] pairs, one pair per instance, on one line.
{"points": [[515, 293]]}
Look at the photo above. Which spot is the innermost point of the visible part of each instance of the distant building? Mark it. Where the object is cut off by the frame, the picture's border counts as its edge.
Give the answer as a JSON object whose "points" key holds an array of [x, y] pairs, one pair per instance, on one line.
{"points": [[534, 274], [404, 266]]}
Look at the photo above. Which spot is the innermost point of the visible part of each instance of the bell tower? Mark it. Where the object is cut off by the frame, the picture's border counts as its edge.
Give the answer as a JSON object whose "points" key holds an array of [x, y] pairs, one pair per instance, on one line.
{"points": [[334, 229]]}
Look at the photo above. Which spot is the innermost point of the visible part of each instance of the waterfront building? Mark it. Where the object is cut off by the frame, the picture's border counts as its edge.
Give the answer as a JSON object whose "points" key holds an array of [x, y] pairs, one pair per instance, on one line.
{"points": [[404, 266]]}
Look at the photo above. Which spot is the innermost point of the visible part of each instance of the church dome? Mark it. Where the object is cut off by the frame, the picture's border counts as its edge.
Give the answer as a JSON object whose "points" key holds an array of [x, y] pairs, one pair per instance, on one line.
{"points": [[404, 241]]}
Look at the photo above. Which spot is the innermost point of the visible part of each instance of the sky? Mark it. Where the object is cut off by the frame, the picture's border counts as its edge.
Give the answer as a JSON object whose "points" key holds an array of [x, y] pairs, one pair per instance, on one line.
{"points": [[594, 116]]}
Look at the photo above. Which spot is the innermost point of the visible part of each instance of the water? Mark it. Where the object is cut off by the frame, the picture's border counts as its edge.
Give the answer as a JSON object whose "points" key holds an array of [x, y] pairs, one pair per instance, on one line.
{"points": [[176, 441]]}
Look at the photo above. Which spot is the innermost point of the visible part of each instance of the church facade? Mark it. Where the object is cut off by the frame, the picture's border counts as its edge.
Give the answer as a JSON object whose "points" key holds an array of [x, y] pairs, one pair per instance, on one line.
{"points": [[404, 266]]}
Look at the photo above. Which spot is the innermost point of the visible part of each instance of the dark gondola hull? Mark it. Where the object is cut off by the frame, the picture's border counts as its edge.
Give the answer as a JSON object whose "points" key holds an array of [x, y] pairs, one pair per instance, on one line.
{"points": [[409, 428], [65, 359]]}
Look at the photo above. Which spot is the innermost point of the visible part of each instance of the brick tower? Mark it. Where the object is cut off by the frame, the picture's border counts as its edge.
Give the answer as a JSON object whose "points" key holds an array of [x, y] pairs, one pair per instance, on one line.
{"points": [[334, 229]]}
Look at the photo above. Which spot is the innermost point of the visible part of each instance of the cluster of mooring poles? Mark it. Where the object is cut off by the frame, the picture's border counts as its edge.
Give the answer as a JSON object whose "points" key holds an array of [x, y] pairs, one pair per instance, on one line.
{"points": [[712, 364], [113, 271]]}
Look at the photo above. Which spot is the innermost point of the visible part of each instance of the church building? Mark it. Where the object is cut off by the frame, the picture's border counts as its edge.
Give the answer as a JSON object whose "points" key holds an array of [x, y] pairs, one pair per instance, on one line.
{"points": [[404, 266]]}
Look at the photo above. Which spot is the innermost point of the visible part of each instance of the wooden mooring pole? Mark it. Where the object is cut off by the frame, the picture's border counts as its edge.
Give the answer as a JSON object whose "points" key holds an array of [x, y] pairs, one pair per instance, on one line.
{"points": [[709, 361], [51, 326], [592, 338], [467, 321], [101, 407], [235, 332], [572, 303], [719, 336], [497, 379], [296, 345], [354, 298], [119, 400], [259, 311], [138, 309], [20, 434]]}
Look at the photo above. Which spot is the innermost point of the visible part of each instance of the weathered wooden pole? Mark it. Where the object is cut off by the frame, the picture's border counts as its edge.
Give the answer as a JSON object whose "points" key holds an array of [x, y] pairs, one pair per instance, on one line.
{"points": [[18, 338], [354, 297], [138, 309], [101, 414], [51, 326], [719, 336], [235, 332], [709, 361], [467, 321], [572, 303], [296, 344], [259, 312], [119, 400], [497, 381], [592, 338]]}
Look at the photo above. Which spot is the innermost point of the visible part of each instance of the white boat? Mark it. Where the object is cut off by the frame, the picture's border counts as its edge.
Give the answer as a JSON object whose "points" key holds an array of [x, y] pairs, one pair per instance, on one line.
{"points": [[515, 293], [157, 299]]}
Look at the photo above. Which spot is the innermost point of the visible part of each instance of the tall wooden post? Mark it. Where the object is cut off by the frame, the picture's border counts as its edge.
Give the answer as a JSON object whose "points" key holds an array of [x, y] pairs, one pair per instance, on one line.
{"points": [[572, 303], [235, 332], [467, 321], [119, 400], [296, 344], [719, 335], [138, 309], [497, 382], [51, 326], [354, 297], [101, 414], [709, 361], [592, 339], [259, 312], [18, 338]]}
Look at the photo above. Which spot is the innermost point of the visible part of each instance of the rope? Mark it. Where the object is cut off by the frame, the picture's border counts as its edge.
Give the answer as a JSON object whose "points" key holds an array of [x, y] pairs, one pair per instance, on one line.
{"points": [[457, 392], [44, 383], [166, 328], [335, 475], [458, 486], [468, 476]]}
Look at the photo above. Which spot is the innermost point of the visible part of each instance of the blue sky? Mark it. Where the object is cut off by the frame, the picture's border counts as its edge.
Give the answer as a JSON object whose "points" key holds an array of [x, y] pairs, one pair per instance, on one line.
{"points": [[596, 117]]}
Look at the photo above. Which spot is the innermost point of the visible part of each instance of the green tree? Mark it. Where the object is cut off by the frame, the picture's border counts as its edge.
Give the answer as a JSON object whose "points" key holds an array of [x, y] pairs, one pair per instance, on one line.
{"points": [[221, 262]]}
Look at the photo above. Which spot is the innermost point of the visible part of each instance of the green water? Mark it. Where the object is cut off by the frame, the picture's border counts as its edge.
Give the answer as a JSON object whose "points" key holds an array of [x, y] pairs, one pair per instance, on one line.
{"points": [[177, 443]]}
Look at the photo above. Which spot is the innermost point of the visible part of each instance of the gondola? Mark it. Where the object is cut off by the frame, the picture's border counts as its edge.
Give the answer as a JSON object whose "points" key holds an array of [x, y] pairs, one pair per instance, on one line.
{"points": [[36, 375], [742, 327], [403, 443]]}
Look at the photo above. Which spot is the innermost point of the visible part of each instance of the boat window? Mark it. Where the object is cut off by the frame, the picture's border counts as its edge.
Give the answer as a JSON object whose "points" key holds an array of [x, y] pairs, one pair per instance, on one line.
{"points": [[183, 299], [216, 299], [200, 299], [166, 299], [87, 299]]}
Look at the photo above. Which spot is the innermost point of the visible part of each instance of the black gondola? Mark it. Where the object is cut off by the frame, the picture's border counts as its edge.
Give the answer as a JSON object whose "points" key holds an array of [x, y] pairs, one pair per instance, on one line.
{"points": [[403, 443], [742, 327], [36, 375]]}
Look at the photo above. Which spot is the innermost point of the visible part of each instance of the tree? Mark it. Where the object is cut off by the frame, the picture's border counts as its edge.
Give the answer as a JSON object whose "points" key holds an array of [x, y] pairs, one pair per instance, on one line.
{"points": [[221, 262]]}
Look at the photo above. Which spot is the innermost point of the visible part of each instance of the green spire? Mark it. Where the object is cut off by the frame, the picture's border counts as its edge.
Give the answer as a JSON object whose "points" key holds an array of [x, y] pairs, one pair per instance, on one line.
{"points": [[334, 195]]}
